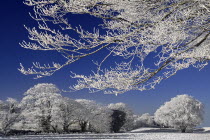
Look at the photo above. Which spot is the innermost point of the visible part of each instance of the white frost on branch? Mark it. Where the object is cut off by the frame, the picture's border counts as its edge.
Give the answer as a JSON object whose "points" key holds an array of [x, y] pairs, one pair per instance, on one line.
{"points": [[173, 34]]}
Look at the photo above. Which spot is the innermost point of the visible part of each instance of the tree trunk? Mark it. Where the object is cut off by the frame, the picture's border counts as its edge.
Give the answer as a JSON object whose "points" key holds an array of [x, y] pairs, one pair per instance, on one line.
{"points": [[66, 128], [55, 128], [83, 126], [45, 124], [183, 130]]}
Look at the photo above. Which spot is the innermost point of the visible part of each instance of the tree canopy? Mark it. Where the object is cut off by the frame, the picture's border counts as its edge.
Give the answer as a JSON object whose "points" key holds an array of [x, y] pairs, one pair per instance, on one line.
{"points": [[39, 106], [182, 112], [171, 34]]}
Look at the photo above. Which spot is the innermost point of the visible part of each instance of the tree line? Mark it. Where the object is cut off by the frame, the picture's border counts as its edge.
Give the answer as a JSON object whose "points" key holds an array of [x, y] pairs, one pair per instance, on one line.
{"points": [[44, 110]]}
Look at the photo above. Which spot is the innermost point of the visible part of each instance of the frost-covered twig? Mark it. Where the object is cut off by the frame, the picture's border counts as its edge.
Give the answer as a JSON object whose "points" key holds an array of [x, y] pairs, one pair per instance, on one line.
{"points": [[172, 34]]}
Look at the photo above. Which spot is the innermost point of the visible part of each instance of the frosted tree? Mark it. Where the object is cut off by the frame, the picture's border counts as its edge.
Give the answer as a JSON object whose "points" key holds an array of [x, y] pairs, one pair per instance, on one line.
{"points": [[118, 120], [83, 115], [145, 120], [129, 117], [97, 116], [66, 114], [39, 106], [101, 121], [182, 112], [9, 114], [149, 39]]}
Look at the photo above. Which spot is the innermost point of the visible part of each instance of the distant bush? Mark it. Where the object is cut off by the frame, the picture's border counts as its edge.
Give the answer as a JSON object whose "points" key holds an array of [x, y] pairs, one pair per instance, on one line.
{"points": [[145, 120]]}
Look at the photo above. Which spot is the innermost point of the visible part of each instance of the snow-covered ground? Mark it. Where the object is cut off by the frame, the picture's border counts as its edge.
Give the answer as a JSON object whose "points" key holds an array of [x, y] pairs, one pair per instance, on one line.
{"points": [[139, 134], [169, 130], [124, 136], [206, 129]]}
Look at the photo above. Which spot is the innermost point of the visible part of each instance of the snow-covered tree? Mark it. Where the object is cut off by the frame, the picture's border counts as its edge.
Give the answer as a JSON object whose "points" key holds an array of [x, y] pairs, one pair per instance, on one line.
{"points": [[84, 116], [97, 116], [171, 34], [182, 112], [101, 120], [122, 108], [9, 114], [39, 106], [66, 114], [118, 120], [145, 120]]}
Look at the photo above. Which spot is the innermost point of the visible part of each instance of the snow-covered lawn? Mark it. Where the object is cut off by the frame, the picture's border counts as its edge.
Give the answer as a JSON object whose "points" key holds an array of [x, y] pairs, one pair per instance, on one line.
{"points": [[206, 129], [139, 134], [124, 136]]}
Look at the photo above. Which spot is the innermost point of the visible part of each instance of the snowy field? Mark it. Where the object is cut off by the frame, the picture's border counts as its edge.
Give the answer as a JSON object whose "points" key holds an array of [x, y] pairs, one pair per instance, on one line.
{"points": [[124, 136], [140, 134]]}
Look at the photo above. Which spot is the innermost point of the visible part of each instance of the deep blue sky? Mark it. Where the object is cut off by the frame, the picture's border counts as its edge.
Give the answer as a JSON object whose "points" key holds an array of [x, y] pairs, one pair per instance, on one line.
{"points": [[14, 14]]}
